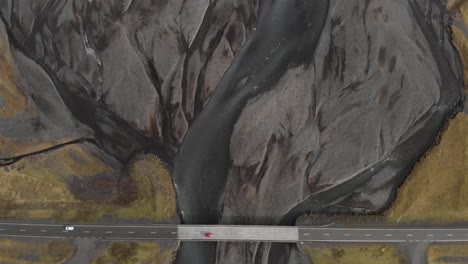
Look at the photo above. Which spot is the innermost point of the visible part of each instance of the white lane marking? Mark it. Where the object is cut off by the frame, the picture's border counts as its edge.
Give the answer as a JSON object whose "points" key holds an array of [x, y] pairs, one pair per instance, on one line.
{"points": [[241, 233], [358, 240], [326, 234], [108, 232], [389, 235], [379, 241], [87, 232], [367, 235], [31, 236], [430, 235], [382, 229], [409, 235], [131, 232], [306, 234], [163, 226], [2, 229], [450, 235], [152, 232], [139, 238], [173, 232], [43, 231], [64, 231], [22, 230], [347, 234]]}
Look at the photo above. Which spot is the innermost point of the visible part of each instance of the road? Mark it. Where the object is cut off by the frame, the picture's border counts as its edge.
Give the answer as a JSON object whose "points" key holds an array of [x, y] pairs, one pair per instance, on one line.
{"points": [[287, 234], [383, 234], [123, 232]]}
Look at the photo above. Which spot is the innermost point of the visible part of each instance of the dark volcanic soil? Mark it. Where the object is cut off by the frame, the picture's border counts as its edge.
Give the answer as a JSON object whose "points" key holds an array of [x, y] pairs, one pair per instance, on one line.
{"points": [[266, 109]]}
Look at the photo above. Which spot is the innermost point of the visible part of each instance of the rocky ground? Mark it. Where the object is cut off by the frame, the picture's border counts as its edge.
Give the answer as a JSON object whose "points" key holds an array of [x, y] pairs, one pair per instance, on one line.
{"points": [[262, 110]]}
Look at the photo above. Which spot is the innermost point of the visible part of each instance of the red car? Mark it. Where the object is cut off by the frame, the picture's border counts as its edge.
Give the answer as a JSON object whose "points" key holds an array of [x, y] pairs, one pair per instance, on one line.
{"points": [[209, 235]]}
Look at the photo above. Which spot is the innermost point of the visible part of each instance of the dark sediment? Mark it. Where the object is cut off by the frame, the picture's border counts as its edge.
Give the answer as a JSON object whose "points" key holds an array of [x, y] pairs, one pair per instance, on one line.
{"points": [[270, 51], [201, 165], [266, 109]]}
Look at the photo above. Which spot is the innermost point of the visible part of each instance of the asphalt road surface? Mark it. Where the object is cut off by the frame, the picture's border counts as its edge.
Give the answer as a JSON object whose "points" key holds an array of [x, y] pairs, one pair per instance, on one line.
{"points": [[118, 232], [286, 234]]}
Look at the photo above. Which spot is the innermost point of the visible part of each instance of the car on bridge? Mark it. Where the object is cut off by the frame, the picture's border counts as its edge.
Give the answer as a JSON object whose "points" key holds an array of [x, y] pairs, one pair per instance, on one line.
{"points": [[208, 235]]}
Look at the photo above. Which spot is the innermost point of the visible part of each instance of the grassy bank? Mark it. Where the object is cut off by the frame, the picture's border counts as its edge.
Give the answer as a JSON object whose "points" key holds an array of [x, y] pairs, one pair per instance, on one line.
{"points": [[132, 252], [449, 253], [156, 195], [353, 253], [344, 219], [76, 184], [459, 39], [437, 189], [55, 251]]}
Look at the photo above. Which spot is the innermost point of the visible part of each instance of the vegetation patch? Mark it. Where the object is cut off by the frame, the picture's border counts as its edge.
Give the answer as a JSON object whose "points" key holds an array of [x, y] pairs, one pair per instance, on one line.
{"points": [[79, 183], [54, 251], [447, 253], [136, 252], [437, 189], [353, 253], [459, 38], [314, 219], [156, 195]]}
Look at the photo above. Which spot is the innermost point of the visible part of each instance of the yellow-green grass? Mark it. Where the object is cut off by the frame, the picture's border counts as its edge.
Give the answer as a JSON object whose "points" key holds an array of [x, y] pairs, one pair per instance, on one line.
{"points": [[157, 199], [455, 4], [136, 252], [37, 187], [437, 189], [449, 253], [54, 251], [316, 219], [459, 39], [461, 44], [354, 253]]}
